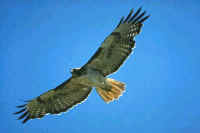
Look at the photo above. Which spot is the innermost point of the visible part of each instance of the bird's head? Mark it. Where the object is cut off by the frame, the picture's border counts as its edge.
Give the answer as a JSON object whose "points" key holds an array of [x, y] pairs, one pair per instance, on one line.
{"points": [[75, 72]]}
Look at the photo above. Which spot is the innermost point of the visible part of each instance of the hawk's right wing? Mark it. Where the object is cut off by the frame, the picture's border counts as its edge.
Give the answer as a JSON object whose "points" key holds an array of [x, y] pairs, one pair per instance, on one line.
{"points": [[57, 100], [118, 45]]}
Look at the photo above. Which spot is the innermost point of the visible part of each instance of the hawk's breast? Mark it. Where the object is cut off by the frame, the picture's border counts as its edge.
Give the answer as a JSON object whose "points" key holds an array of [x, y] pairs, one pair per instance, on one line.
{"points": [[91, 78]]}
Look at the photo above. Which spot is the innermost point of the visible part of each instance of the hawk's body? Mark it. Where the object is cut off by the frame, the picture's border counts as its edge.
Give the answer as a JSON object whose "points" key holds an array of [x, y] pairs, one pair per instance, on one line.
{"points": [[108, 58], [90, 77]]}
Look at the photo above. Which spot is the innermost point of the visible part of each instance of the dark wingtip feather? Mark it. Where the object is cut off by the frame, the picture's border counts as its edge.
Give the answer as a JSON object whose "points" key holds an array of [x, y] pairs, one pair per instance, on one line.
{"points": [[23, 115], [136, 18], [145, 18], [139, 9], [135, 15], [21, 106], [129, 15], [140, 16], [121, 20], [26, 119], [22, 110]]}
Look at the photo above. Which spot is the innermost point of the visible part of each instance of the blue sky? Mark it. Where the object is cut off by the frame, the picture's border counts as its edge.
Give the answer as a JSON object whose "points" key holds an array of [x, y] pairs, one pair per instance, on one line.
{"points": [[42, 40]]}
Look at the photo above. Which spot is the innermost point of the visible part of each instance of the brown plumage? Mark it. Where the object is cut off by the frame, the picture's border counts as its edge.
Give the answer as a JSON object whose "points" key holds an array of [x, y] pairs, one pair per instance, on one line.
{"points": [[107, 59], [55, 101], [118, 45]]}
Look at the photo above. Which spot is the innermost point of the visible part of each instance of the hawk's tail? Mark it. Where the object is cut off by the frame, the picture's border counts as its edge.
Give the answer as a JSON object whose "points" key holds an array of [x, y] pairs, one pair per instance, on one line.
{"points": [[114, 92]]}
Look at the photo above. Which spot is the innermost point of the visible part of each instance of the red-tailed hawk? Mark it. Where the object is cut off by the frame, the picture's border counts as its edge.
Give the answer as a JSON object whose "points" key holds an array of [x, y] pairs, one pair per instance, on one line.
{"points": [[107, 59]]}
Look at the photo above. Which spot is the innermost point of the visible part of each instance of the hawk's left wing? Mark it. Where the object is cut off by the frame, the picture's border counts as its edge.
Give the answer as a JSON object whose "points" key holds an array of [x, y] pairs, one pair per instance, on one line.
{"points": [[118, 45], [57, 100]]}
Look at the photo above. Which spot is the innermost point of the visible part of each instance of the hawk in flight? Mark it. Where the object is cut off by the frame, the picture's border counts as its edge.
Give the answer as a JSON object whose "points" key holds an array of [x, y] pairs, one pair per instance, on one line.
{"points": [[108, 58]]}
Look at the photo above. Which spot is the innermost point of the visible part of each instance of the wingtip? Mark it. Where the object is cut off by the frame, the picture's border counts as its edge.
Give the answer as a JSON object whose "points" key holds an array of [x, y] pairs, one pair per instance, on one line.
{"points": [[21, 106], [139, 17], [132, 10], [25, 120], [143, 19], [121, 21], [140, 8], [22, 110], [23, 115], [148, 16]]}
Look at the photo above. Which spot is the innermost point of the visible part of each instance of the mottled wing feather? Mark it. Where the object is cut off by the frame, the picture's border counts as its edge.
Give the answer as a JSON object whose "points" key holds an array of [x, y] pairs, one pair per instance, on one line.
{"points": [[55, 101], [118, 45]]}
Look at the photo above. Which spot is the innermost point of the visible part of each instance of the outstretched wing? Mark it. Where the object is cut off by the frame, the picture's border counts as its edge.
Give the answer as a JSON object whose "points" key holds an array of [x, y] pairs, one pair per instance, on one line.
{"points": [[118, 45], [57, 100]]}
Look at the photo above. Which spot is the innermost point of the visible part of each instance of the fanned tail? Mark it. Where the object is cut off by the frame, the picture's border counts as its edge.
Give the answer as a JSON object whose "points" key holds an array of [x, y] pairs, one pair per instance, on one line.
{"points": [[113, 93]]}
